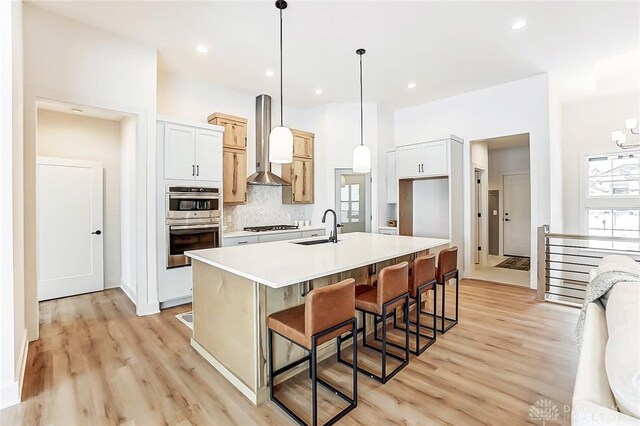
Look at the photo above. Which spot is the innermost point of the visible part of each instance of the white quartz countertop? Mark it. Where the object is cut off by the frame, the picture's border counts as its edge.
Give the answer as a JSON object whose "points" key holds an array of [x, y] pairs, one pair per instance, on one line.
{"points": [[235, 234], [282, 263]]}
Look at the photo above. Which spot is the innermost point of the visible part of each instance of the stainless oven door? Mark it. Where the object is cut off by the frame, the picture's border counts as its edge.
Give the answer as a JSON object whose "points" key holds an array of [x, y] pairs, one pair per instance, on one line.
{"points": [[181, 238], [193, 206]]}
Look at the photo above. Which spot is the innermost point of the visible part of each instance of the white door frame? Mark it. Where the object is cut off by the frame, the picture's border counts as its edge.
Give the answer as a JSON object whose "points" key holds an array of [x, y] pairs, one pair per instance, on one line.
{"points": [[501, 204], [483, 241], [142, 242], [98, 241], [336, 194]]}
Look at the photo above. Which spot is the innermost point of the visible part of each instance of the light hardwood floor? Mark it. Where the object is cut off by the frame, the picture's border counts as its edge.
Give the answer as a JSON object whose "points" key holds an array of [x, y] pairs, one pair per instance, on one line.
{"points": [[97, 363]]}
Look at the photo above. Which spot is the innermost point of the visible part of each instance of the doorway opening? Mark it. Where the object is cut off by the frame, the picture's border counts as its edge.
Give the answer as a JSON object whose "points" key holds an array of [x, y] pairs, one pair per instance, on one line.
{"points": [[84, 200], [501, 203], [353, 200]]}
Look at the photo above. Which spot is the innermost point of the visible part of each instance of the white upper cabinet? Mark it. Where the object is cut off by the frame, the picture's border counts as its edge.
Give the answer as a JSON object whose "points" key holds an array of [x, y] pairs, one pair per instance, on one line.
{"points": [[179, 152], [392, 177], [208, 155], [191, 153], [429, 159]]}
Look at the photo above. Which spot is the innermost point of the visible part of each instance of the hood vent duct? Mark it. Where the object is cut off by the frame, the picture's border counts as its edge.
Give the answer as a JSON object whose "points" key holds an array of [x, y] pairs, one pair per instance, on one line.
{"points": [[263, 175]]}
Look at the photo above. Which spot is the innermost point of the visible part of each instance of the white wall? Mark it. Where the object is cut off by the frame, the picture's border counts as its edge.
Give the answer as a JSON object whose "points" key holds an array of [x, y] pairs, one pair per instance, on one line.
{"points": [[506, 161], [586, 130], [517, 107], [385, 142], [13, 335], [337, 130], [77, 64], [86, 138]]}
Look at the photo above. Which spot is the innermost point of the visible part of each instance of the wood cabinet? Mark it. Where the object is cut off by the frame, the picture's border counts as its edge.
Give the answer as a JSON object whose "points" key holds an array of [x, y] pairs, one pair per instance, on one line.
{"points": [[235, 129], [191, 153], [234, 157], [235, 176], [302, 144], [300, 171], [429, 159]]}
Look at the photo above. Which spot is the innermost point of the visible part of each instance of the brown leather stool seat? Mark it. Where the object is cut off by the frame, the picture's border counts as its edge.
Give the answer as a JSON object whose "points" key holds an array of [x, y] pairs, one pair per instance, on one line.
{"points": [[327, 313], [447, 270], [391, 291]]}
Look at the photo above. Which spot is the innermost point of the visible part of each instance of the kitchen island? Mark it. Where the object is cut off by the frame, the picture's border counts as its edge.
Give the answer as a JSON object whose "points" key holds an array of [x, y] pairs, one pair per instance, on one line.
{"points": [[236, 288]]}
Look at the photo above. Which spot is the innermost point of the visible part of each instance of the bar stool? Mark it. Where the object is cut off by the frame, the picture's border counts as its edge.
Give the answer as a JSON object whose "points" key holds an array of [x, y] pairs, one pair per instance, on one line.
{"points": [[390, 292], [327, 313], [447, 270], [422, 278]]}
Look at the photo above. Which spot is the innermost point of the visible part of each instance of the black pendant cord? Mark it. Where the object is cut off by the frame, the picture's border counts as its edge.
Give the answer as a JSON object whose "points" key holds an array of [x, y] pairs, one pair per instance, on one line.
{"points": [[361, 107], [281, 70]]}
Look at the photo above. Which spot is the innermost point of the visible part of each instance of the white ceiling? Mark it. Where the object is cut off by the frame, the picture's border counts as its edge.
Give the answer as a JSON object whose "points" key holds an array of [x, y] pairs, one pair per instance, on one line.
{"points": [[84, 110], [446, 48]]}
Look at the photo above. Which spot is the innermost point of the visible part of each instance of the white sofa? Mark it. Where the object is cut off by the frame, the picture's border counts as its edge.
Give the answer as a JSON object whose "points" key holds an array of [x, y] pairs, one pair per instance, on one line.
{"points": [[607, 388]]}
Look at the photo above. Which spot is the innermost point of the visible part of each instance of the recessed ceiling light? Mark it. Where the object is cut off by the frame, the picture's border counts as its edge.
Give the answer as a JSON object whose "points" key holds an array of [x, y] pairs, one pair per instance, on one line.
{"points": [[269, 73], [318, 91], [202, 49], [76, 110], [411, 85], [518, 25]]}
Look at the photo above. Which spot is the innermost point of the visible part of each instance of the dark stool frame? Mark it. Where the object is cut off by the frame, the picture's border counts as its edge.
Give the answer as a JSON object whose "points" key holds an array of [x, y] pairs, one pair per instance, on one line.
{"points": [[384, 377], [313, 374], [452, 321], [431, 339]]}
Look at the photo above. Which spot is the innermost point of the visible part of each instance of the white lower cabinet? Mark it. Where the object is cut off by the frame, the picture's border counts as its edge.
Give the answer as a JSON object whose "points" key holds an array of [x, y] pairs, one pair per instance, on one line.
{"points": [[239, 241], [267, 238], [388, 231]]}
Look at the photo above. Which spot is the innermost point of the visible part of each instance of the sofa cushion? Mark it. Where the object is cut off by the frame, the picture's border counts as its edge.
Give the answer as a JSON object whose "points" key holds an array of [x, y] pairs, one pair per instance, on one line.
{"points": [[616, 262], [622, 357]]}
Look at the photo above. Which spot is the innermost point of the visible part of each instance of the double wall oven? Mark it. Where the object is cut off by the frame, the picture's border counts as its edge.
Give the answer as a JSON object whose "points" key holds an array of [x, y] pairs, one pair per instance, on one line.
{"points": [[192, 221]]}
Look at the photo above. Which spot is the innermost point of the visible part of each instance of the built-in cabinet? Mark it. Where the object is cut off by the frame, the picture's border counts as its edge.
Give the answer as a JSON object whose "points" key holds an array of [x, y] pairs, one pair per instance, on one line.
{"points": [[188, 154], [191, 153], [429, 184], [300, 171], [266, 238], [429, 159], [234, 157], [392, 177]]}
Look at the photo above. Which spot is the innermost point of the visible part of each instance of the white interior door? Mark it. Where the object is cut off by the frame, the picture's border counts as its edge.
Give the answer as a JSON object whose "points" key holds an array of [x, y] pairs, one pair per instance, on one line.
{"points": [[517, 215], [69, 224]]}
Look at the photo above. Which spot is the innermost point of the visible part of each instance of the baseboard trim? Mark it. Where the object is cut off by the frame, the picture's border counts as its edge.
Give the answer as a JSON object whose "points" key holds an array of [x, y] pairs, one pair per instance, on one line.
{"points": [[11, 394], [171, 303], [113, 284], [130, 294]]}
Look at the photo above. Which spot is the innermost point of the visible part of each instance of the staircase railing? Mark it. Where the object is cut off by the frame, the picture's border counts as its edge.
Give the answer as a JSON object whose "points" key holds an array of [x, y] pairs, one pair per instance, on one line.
{"points": [[565, 262]]}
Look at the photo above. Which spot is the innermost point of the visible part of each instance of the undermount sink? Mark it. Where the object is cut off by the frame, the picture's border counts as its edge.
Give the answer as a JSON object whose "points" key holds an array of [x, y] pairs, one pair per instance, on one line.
{"points": [[312, 242]]}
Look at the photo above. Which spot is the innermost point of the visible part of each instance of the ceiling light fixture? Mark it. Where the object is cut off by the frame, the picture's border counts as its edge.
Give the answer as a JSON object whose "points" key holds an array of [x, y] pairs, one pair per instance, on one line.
{"points": [[411, 85], [318, 92], [202, 49], [620, 138], [76, 111], [269, 73], [362, 153], [281, 138], [518, 25]]}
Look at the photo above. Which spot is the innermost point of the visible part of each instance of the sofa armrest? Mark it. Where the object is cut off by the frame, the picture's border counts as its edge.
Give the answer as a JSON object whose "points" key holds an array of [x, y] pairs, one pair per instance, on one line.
{"points": [[592, 384]]}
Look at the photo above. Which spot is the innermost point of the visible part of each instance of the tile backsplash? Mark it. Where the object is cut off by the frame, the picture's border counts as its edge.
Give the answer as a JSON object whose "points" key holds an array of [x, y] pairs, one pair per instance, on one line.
{"points": [[264, 207]]}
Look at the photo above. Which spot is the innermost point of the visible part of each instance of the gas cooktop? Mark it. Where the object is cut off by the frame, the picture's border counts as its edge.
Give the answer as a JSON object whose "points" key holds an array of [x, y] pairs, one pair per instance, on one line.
{"points": [[269, 228]]}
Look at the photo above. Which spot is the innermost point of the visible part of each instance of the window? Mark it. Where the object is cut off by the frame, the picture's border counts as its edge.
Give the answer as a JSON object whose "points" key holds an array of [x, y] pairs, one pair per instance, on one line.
{"points": [[612, 201], [614, 175], [350, 203]]}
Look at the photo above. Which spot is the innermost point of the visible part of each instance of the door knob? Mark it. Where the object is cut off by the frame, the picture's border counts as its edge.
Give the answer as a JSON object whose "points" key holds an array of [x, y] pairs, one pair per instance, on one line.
{"points": [[98, 232]]}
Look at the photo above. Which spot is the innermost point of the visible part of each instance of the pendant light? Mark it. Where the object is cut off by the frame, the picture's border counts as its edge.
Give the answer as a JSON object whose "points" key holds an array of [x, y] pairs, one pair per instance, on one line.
{"points": [[362, 153], [281, 138]]}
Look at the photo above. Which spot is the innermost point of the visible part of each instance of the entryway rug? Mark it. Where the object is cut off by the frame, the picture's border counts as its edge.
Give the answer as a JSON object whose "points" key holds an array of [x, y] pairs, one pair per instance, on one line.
{"points": [[518, 263], [186, 318]]}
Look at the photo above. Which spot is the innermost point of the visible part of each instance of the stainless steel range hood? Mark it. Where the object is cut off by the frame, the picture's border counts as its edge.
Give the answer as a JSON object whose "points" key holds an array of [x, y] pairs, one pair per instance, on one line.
{"points": [[263, 175]]}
